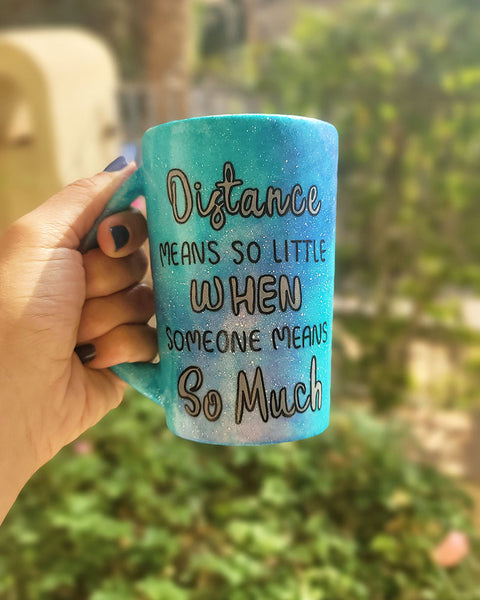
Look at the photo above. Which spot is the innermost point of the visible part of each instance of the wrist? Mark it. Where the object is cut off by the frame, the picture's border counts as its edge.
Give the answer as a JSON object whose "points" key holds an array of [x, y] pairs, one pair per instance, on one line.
{"points": [[16, 468]]}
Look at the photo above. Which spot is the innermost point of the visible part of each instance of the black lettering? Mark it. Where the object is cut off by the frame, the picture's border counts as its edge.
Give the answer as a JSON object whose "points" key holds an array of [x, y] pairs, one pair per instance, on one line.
{"points": [[246, 297], [178, 344], [207, 341], [172, 176], [168, 331], [254, 257], [254, 339], [315, 386], [212, 405], [173, 254], [164, 251], [192, 340], [226, 343], [220, 201], [194, 408], [227, 184], [280, 334], [307, 336], [197, 255], [249, 203], [212, 202], [312, 196], [215, 258], [322, 250], [236, 247], [297, 211], [265, 294], [296, 337], [298, 406], [287, 296], [247, 398], [280, 409], [185, 253], [239, 340], [275, 258], [297, 249], [274, 197], [206, 301]]}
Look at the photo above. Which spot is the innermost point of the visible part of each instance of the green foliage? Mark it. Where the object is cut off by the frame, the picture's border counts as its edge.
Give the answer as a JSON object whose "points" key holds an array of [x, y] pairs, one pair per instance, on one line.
{"points": [[400, 79], [222, 26], [131, 512]]}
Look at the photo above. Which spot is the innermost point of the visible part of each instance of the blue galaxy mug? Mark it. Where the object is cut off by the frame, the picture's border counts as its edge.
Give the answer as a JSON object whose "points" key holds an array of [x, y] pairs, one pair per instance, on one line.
{"points": [[241, 222]]}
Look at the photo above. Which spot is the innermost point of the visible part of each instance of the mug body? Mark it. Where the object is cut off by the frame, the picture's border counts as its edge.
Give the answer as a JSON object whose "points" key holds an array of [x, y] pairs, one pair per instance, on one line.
{"points": [[241, 217]]}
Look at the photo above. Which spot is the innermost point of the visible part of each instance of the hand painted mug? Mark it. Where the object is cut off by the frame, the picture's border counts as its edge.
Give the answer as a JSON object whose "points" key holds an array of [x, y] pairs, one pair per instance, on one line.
{"points": [[241, 221]]}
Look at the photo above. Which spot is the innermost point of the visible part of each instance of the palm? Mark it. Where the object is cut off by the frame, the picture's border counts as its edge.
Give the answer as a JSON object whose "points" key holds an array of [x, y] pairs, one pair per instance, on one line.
{"points": [[51, 300], [77, 395]]}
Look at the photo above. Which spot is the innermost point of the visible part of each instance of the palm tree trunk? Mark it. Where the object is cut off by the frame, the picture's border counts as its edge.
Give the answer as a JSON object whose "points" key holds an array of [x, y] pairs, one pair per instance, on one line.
{"points": [[167, 27]]}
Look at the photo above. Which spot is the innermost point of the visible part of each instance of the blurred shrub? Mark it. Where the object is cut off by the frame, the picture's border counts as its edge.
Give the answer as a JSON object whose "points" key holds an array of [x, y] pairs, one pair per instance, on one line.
{"points": [[221, 26], [400, 79], [131, 512]]}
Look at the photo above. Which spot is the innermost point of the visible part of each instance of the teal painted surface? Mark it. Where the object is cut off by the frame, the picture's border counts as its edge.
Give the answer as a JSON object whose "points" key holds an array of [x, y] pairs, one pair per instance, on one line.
{"points": [[216, 187]]}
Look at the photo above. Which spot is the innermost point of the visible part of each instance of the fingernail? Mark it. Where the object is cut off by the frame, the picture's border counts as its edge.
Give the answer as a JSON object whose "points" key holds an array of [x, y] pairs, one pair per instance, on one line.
{"points": [[120, 235], [116, 165], [86, 352]]}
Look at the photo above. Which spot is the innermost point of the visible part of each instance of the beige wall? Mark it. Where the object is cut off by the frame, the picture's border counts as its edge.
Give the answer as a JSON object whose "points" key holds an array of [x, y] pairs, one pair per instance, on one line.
{"points": [[58, 113]]}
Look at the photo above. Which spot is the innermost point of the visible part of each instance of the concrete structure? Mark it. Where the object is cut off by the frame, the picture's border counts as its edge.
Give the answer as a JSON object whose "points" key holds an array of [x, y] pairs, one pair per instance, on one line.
{"points": [[58, 113]]}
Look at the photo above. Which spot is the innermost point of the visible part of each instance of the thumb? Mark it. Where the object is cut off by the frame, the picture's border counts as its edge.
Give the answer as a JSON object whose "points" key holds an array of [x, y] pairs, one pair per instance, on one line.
{"points": [[65, 218]]}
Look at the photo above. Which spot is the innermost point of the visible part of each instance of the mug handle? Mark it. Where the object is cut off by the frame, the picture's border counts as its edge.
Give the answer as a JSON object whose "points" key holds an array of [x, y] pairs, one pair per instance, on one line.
{"points": [[143, 376]]}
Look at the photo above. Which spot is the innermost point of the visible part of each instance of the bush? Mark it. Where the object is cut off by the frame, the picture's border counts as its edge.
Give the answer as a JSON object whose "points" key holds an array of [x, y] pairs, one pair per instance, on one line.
{"points": [[400, 80], [132, 512]]}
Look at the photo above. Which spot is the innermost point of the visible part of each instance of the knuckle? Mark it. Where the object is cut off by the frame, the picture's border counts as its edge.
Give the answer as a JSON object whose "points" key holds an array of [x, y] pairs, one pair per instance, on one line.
{"points": [[87, 329], [152, 344], [145, 347], [140, 224], [91, 260], [143, 296], [140, 263]]}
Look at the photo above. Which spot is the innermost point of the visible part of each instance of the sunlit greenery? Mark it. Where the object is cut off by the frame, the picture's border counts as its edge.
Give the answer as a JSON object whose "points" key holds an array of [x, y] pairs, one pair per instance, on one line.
{"points": [[131, 512], [400, 79]]}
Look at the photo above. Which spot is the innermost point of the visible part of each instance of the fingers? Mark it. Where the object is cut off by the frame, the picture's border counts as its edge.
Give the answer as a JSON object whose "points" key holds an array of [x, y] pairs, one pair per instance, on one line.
{"points": [[105, 276], [125, 343], [69, 215], [113, 325], [101, 315], [121, 234], [118, 263]]}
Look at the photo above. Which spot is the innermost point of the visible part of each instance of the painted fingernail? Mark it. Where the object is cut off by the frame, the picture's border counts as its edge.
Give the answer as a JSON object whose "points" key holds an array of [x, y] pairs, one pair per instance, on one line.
{"points": [[86, 352], [116, 165], [120, 235]]}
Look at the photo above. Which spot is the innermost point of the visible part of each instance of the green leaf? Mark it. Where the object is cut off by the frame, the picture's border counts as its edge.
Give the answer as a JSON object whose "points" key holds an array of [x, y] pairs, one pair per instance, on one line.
{"points": [[152, 588]]}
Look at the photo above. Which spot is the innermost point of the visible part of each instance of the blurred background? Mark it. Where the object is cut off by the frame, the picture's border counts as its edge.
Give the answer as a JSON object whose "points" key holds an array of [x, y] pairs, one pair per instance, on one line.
{"points": [[386, 503]]}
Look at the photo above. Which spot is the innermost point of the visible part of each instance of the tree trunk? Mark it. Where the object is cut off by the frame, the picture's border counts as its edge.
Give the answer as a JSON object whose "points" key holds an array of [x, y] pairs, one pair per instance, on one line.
{"points": [[167, 57]]}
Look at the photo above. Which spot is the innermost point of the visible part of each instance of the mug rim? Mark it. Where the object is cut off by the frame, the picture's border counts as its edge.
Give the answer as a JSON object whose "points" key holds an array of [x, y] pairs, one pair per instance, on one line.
{"points": [[244, 117]]}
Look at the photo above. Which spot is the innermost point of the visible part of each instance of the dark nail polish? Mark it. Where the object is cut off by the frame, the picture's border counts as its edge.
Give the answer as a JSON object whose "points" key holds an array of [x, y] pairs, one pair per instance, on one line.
{"points": [[86, 352], [116, 165], [120, 235]]}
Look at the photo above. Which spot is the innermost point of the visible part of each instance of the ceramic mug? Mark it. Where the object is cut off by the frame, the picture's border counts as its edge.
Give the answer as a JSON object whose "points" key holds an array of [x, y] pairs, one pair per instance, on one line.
{"points": [[241, 222]]}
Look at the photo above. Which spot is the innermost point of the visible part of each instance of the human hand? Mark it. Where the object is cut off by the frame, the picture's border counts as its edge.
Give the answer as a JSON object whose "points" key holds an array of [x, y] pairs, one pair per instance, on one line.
{"points": [[54, 300]]}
